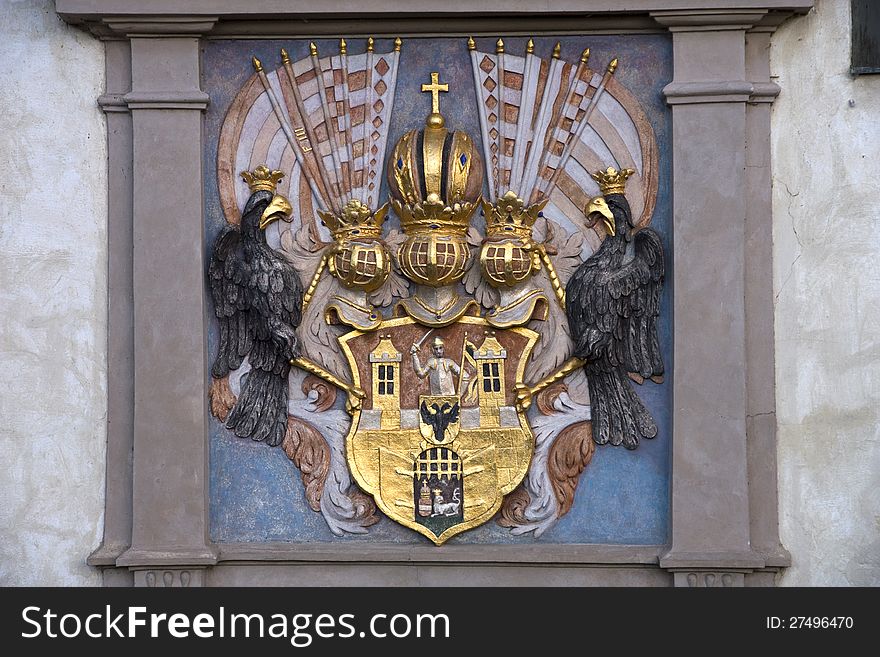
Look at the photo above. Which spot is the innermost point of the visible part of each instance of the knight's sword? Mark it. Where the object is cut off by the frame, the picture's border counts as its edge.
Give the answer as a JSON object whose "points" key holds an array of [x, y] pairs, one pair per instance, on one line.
{"points": [[418, 345]]}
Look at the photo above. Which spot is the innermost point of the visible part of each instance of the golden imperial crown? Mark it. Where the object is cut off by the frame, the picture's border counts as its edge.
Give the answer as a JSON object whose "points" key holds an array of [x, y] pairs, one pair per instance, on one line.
{"points": [[355, 221], [612, 181], [435, 178]]}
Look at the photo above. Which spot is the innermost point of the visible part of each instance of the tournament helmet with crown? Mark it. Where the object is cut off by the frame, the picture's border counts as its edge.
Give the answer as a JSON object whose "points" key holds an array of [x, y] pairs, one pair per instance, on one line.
{"points": [[359, 258]]}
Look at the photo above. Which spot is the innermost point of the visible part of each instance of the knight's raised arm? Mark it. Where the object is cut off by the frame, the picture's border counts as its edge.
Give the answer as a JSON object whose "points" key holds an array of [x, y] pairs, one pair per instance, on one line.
{"points": [[417, 364]]}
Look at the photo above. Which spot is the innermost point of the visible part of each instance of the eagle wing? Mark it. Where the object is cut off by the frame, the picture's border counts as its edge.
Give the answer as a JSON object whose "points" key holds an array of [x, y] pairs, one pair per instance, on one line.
{"points": [[229, 282], [276, 296], [257, 299], [639, 351], [427, 415], [628, 304], [618, 309]]}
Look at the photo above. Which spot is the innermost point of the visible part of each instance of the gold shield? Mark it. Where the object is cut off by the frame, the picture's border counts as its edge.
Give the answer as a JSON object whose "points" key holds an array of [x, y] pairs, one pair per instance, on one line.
{"points": [[439, 488]]}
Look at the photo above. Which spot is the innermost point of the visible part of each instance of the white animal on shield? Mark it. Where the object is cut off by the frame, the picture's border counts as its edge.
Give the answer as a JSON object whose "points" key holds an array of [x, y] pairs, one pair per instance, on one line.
{"points": [[442, 508]]}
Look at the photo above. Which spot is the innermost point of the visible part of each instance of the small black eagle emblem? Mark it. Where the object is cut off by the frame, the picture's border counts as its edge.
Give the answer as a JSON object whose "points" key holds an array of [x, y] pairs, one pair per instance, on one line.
{"points": [[439, 417]]}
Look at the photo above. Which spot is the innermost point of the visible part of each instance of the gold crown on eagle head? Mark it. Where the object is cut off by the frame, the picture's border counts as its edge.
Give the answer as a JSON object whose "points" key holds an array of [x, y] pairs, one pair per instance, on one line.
{"points": [[612, 181], [262, 179]]}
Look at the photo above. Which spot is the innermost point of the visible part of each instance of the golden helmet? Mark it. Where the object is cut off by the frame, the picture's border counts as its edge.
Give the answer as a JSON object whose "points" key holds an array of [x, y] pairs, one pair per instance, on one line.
{"points": [[508, 256], [359, 258]]}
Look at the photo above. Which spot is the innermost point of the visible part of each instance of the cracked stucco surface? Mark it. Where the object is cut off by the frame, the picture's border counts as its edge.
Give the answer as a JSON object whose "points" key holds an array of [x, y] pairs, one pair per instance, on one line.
{"points": [[826, 222], [53, 292]]}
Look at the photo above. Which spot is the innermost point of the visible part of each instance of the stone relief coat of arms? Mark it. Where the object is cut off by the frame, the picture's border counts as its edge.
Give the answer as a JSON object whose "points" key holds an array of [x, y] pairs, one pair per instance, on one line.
{"points": [[453, 352]]}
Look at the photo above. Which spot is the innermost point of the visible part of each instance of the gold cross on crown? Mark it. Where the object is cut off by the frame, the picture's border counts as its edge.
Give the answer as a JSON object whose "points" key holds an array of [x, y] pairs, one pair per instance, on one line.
{"points": [[435, 88]]}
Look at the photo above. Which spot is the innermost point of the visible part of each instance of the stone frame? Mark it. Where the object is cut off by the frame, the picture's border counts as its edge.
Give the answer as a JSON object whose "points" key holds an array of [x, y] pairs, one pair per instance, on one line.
{"points": [[724, 524]]}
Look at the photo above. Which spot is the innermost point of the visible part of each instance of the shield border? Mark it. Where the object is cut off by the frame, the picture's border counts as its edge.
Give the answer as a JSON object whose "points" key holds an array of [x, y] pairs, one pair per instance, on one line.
{"points": [[531, 337]]}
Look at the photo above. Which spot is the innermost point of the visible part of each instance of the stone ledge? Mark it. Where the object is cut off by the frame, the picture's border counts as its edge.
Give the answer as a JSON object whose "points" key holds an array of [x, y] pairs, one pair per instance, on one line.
{"points": [[113, 103], [695, 93], [712, 560], [106, 554], [192, 100], [176, 557], [571, 554], [91, 9]]}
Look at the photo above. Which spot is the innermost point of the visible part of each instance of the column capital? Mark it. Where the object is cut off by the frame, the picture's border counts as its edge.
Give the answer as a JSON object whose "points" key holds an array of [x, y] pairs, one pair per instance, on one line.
{"points": [[159, 26], [708, 20]]}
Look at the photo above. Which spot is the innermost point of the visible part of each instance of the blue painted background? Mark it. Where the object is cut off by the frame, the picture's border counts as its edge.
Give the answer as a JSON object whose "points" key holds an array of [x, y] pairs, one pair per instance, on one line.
{"points": [[256, 493]]}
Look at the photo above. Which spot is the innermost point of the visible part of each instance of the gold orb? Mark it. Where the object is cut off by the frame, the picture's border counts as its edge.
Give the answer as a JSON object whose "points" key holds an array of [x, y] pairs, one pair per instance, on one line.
{"points": [[434, 259], [361, 264]]}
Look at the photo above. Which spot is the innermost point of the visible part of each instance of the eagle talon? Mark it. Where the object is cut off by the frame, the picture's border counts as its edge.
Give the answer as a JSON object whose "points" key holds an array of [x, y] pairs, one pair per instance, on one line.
{"points": [[354, 401], [523, 397]]}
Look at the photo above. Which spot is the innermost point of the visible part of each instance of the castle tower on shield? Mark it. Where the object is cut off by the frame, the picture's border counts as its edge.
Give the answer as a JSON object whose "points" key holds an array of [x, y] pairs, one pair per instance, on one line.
{"points": [[490, 357], [385, 363]]}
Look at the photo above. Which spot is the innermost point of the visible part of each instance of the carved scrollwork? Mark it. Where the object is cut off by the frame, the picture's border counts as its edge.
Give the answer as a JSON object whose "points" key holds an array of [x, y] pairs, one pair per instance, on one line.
{"points": [[309, 452], [570, 455], [312, 455], [513, 509], [326, 392], [547, 397], [364, 508]]}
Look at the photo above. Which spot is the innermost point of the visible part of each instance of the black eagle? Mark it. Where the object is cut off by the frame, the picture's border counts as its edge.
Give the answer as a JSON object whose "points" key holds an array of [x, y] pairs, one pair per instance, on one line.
{"points": [[258, 300], [612, 303], [440, 417]]}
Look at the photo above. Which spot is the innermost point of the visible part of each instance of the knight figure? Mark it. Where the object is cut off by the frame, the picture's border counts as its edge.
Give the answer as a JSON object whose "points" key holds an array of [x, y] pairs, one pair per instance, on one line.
{"points": [[442, 372]]}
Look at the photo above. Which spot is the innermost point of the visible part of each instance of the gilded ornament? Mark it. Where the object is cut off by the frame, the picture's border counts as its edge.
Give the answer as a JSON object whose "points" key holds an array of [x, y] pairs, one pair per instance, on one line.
{"points": [[435, 179], [359, 258], [439, 442]]}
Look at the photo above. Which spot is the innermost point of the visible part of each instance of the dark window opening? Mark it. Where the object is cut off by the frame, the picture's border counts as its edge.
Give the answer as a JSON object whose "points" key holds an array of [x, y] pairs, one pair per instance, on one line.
{"points": [[865, 56]]}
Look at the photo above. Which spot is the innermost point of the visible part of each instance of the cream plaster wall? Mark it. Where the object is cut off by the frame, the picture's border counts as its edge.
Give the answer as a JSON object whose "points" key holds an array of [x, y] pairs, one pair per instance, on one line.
{"points": [[53, 289], [826, 232]]}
